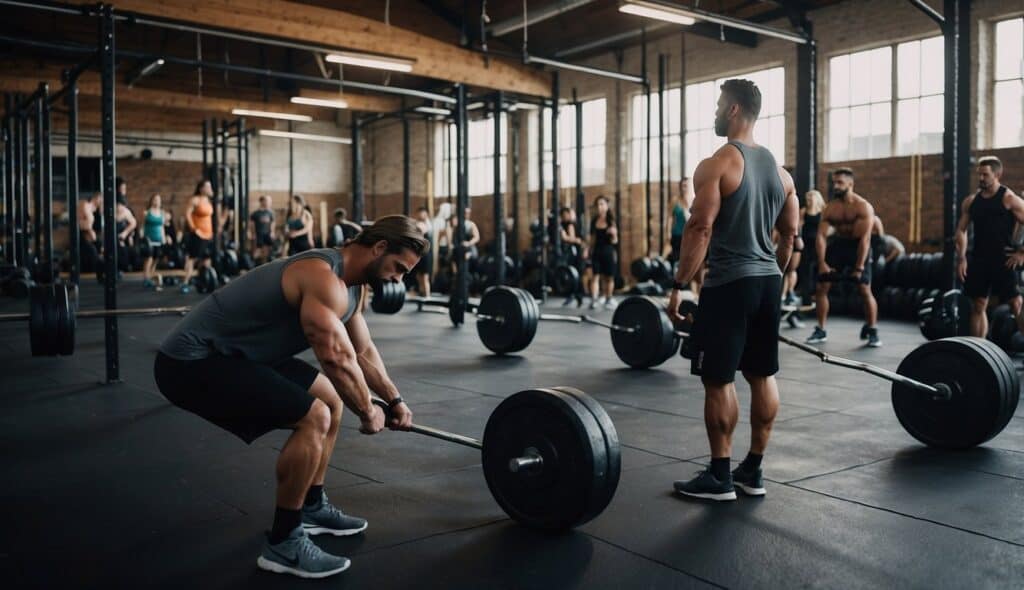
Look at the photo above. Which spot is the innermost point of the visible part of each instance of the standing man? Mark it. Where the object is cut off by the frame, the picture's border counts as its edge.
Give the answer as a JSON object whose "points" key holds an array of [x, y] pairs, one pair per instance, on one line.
{"points": [[263, 229], [995, 211], [742, 194], [848, 257], [89, 212], [231, 361]]}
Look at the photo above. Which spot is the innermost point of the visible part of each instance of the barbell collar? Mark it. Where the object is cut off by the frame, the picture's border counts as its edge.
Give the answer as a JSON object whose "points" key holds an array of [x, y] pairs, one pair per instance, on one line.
{"points": [[531, 459]]}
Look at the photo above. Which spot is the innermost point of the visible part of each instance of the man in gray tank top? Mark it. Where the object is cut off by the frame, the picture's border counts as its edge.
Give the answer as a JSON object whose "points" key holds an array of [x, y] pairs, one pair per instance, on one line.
{"points": [[231, 361], [741, 195]]}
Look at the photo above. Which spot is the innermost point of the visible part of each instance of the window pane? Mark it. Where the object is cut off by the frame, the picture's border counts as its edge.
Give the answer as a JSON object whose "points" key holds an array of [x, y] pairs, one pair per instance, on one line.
{"points": [[933, 69], [1009, 114], [881, 130], [839, 134], [881, 73], [839, 81], [860, 77], [908, 126], [1010, 49], [908, 64], [595, 113]]}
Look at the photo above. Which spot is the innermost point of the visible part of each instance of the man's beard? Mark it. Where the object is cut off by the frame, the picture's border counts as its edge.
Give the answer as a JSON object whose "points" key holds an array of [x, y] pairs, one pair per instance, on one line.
{"points": [[839, 193], [373, 274], [721, 126], [985, 185]]}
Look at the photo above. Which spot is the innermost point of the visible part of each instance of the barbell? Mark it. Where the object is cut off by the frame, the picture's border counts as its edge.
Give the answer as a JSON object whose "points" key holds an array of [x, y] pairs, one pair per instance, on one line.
{"points": [[550, 457], [53, 315]]}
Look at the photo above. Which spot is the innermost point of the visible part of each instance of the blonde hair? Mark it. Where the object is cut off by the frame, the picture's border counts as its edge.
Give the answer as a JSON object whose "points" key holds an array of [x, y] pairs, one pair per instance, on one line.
{"points": [[813, 201]]}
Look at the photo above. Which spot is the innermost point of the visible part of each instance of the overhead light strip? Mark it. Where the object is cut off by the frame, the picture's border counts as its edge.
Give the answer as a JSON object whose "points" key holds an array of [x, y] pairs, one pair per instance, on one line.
{"points": [[336, 103], [304, 136], [379, 62], [272, 115], [432, 110], [672, 13]]}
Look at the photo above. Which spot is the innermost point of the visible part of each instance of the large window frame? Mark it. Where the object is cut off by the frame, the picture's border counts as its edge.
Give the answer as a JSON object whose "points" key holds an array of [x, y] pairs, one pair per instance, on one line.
{"points": [[919, 109], [594, 146], [860, 105], [1007, 83], [480, 165]]}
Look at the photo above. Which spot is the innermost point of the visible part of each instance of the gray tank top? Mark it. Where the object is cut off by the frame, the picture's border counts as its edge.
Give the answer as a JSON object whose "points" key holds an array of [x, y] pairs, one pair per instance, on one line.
{"points": [[741, 238], [250, 318]]}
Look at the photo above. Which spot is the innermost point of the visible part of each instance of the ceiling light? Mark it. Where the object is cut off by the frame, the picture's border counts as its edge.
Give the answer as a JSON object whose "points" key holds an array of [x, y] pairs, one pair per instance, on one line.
{"points": [[475, 105], [271, 115], [306, 136], [394, 64], [525, 106], [658, 11], [432, 110], [337, 103]]}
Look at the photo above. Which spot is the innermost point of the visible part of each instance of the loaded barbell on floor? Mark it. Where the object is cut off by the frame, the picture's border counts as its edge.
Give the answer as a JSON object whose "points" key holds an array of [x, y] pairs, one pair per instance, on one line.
{"points": [[550, 457], [54, 313]]}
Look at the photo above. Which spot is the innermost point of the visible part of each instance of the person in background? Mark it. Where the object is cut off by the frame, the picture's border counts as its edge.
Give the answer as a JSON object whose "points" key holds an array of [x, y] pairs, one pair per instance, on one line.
{"points": [[470, 236], [154, 235], [810, 218], [677, 222], [199, 236], [604, 235], [298, 226], [262, 231], [125, 226], [421, 272], [88, 213], [574, 250], [893, 248], [343, 230]]}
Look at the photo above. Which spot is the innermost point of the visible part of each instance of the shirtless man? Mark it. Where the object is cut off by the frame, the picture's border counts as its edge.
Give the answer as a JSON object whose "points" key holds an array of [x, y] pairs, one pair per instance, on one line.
{"points": [[848, 257], [88, 211]]}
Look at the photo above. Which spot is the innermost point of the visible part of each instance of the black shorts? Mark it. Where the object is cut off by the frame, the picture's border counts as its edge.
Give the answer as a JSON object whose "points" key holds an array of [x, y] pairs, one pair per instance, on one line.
{"points": [[246, 398], [676, 242], [264, 239], [737, 327], [423, 266], [197, 247], [841, 256], [299, 244], [990, 278], [604, 261]]}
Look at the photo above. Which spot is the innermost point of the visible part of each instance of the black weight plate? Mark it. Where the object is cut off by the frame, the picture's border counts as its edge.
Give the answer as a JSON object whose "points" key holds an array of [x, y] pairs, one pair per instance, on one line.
{"points": [[980, 393], [653, 341], [687, 309], [530, 319], [39, 323], [73, 297], [1011, 381], [661, 270], [567, 279], [569, 489], [1002, 327], [507, 335], [611, 442], [388, 298], [65, 332], [641, 269]]}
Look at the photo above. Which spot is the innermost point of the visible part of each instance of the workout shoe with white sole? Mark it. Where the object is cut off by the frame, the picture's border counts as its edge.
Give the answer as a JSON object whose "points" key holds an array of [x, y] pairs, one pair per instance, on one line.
{"points": [[325, 519], [794, 321], [749, 481], [818, 336], [864, 331], [299, 556], [706, 486], [873, 340]]}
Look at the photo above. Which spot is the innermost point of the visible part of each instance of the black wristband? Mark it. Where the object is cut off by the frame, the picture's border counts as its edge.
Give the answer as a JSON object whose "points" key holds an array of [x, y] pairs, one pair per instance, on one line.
{"points": [[395, 402], [678, 286]]}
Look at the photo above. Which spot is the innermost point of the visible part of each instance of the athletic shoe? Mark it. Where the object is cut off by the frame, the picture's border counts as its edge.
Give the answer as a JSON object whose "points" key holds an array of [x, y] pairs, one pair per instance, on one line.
{"points": [[299, 556], [325, 518], [148, 284], [568, 300], [593, 304], [706, 486], [186, 289], [864, 331], [610, 303], [749, 481], [873, 340], [818, 336], [794, 321]]}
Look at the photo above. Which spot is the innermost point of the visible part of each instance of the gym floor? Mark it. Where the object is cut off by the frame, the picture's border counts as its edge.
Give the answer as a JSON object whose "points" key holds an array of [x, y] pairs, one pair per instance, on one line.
{"points": [[109, 485]]}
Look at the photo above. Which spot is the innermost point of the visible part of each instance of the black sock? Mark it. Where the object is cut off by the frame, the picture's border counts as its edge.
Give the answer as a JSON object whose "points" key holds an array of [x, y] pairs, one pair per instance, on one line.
{"points": [[720, 468], [752, 462], [313, 495], [285, 521]]}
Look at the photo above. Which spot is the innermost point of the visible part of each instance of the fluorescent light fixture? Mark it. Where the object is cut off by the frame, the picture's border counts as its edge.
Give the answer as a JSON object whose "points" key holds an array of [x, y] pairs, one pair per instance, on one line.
{"points": [[658, 12], [337, 103], [432, 110], [151, 67], [475, 105], [525, 106], [394, 64], [687, 16], [305, 136], [271, 115]]}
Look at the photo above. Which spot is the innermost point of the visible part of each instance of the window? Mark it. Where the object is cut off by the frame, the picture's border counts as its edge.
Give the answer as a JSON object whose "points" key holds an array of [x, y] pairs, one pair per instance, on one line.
{"points": [[701, 142], [702, 102], [1008, 91], [480, 166], [593, 146], [920, 75], [860, 105]]}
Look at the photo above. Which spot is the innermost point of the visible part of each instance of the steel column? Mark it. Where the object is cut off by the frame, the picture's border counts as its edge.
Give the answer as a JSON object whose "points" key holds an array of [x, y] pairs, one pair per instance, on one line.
{"points": [[460, 292], [357, 172], [108, 73], [556, 170], [46, 171], [581, 199], [662, 74], [499, 197], [406, 188], [71, 177], [805, 169], [956, 139]]}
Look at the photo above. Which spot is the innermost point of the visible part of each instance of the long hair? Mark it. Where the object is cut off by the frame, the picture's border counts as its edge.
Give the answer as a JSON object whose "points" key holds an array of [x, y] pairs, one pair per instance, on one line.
{"points": [[152, 198], [297, 200], [199, 187], [400, 232], [814, 201], [610, 216]]}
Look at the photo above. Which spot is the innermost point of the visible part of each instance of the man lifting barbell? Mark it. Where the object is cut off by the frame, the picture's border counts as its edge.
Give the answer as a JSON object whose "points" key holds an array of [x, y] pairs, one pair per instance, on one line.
{"points": [[230, 361], [741, 195], [847, 257]]}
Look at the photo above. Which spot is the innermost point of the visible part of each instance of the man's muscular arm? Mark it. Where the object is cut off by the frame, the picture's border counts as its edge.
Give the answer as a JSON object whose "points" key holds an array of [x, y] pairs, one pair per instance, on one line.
{"points": [[322, 302], [706, 205], [961, 238], [788, 222], [821, 240], [862, 231]]}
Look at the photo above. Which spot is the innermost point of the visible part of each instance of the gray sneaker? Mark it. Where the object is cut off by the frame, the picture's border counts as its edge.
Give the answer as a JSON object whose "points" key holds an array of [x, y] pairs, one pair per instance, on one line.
{"points": [[325, 518], [299, 556]]}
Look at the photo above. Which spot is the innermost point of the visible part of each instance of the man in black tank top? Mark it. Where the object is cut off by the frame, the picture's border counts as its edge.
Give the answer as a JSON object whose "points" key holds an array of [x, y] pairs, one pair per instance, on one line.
{"points": [[995, 212], [231, 361], [741, 196]]}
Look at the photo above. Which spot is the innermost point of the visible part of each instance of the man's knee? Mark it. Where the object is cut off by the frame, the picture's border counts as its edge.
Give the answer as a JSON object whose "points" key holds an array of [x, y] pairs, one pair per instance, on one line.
{"points": [[979, 304], [317, 419]]}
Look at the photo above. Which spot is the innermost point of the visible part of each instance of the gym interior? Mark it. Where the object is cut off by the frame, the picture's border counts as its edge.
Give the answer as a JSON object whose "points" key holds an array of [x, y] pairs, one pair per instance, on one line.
{"points": [[553, 152]]}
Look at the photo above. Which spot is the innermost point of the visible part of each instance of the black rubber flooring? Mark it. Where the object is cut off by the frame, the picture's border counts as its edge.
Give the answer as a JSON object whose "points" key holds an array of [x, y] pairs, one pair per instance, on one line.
{"points": [[110, 486]]}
